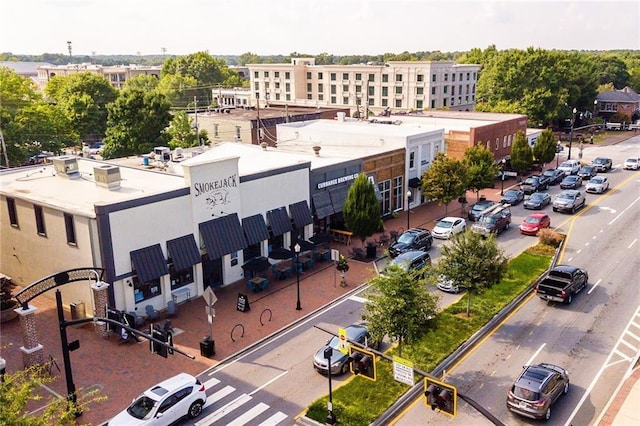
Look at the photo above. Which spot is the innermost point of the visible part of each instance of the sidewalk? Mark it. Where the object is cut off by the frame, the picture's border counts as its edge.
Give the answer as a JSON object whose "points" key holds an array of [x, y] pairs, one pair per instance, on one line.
{"points": [[121, 371]]}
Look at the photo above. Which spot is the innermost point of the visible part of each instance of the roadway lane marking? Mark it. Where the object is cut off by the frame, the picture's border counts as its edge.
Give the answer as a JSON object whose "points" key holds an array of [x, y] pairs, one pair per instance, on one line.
{"points": [[268, 383], [535, 354], [274, 420], [632, 243], [623, 211], [223, 411], [249, 415], [594, 286], [358, 299], [211, 383], [215, 397]]}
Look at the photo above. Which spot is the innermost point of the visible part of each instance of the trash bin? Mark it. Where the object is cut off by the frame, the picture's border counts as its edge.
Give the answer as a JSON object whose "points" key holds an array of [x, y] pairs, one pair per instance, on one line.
{"points": [[371, 250], [207, 347], [78, 310]]}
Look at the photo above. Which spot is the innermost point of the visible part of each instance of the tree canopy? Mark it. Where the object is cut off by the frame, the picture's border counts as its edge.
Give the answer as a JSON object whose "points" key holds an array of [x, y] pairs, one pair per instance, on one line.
{"points": [[544, 149], [361, 209], [521, 153], [445, 180], [480, 167]]}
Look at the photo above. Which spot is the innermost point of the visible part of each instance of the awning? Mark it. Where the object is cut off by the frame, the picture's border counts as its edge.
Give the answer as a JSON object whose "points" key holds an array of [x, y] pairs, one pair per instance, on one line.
{"points": [[279, 221], [184, 252], [255, 229], [338, 197], [301, 214], [223, 235], [414, 183], [149, 263], [322, 204]]}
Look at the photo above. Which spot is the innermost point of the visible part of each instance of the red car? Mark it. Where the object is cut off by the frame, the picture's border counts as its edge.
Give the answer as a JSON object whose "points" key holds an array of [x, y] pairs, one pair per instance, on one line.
{"points": [[535, 222]]}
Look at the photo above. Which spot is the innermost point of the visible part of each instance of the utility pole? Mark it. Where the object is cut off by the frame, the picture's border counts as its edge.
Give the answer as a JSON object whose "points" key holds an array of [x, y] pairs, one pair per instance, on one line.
{"points": [[258, 119], [69, 47], [195, 106]]}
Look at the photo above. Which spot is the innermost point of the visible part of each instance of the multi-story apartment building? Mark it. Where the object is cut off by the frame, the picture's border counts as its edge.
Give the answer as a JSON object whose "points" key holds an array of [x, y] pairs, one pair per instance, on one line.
{"points": [[116, 75], [376, 87]]}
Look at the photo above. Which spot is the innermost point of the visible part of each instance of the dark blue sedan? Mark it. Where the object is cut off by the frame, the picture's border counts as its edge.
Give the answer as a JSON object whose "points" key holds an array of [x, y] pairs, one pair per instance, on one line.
{"points": [[571, 182], [537, 201], [512, 197]]}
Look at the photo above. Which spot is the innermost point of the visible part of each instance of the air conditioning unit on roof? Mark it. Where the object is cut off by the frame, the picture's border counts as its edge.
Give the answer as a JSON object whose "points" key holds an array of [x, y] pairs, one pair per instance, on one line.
{"points": [[107, 176], [66, 166]]}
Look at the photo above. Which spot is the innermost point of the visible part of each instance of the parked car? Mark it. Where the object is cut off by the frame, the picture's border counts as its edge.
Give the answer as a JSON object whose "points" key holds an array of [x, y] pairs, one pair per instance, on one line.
{"points": [[412, 261], [587, 172], [512, 197], [340, 361], [631, 163], [448, 227], [165, 403], [411, 239], [597, 184], [493, 220], [570, 167], [534, 183], [602, 164], [447, 285], [571, 182], [534, 223], [537, 201], [477, 208], [41, 158], [96, 148], [536, 389], [555, 176], [569, 200]]}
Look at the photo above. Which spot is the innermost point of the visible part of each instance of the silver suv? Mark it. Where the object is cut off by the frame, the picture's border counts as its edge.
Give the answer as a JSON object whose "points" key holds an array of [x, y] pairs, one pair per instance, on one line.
{"points": [[536, 389], [569, 201], [495, 219]]}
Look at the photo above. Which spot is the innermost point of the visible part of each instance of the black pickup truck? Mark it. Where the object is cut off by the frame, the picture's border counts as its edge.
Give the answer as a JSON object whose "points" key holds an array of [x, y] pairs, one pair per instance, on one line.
{"points": [[561, 283]]}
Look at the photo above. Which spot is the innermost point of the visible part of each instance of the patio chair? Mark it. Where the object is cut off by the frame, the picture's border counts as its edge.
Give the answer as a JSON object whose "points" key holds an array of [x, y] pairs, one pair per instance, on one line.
{"points": [[138, 320], [172, 308], [152, 313]]}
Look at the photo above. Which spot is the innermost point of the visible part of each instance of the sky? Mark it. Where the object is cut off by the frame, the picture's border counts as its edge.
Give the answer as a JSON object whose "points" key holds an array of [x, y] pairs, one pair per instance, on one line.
{"points": [[337, 27]]}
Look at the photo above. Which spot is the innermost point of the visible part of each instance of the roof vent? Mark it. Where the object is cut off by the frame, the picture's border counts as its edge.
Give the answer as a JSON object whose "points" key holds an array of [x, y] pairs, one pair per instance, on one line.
{"points": [[66, 166], [317, 149], [107, 176], [162, 153]]}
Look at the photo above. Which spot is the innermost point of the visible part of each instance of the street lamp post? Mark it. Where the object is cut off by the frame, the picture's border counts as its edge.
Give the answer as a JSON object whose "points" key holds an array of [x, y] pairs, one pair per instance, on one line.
{"points": [[502, 164], [559, 145], [593, 116], [331, 418], [296, 249], [573, 120], [409, 197]]}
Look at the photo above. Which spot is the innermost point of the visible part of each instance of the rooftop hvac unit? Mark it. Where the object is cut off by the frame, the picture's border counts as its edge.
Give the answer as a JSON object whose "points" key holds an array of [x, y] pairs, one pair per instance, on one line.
{"points": [[107, 176], [162, 153], [178, 154], [66, 166]]}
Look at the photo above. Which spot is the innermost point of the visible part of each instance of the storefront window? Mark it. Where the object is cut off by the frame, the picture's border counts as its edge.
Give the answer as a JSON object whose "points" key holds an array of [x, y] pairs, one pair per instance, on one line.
{"points": [[143, 291], [385, 192], [180, 278]]}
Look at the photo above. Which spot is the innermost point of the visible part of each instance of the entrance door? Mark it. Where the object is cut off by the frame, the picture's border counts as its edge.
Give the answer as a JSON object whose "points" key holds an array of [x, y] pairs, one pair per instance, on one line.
{"points": [[211, 272]]}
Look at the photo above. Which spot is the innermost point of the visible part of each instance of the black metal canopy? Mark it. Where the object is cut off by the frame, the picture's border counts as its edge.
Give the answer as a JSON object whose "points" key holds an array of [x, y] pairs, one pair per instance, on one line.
{"points": [[257, 264]]}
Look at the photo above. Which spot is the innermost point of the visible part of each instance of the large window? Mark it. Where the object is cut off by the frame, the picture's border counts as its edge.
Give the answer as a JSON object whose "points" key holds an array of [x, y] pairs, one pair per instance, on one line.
{"points": [[372, 90], [398, 90], [398, 77], [398, 193], [71, 229], [309, 89], [420, 77], [276, 74], [345, 100], [287, 74], [320, 87], [319, 76], [266, 74], [419, 104], [385, 91], [385, 78], [398, 103], [385, 192], [358, 76], [345, 87], [308, 75], [13, 213], [180, 278], [40, 220], [419, 90], [333, 76], [345, 76], [372, 77], [143, 291]]}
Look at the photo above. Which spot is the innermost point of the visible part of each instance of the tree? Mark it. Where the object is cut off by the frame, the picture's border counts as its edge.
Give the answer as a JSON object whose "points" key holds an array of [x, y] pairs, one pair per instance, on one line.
{"points": [[146, 83], [182, 132], [544, 149], [361, 209], [521, 154], [249, 58], [20, 389], [445, 180], [399, 306], [481, 168], [84, 98], [137, 123], [474, 262]]}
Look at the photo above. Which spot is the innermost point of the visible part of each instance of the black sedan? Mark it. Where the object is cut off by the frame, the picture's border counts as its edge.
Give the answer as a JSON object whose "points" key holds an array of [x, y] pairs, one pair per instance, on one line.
{"points": [[512, 197], [555, 176], [537, 201], [571, 182], [587, 172]]}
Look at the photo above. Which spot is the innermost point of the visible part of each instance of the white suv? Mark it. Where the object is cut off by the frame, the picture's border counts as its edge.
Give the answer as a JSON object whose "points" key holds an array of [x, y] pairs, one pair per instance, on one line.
{"points": [[165, 403], [570, 167]]}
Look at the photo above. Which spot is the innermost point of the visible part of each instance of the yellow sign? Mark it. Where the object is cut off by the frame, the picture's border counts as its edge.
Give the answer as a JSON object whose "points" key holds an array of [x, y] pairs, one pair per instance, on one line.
{"points": [[343, 345]]}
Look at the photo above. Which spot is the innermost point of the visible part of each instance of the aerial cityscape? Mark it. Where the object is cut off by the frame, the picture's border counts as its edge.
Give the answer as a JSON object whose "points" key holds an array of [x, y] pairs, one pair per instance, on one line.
{"points": [[288, 213]]}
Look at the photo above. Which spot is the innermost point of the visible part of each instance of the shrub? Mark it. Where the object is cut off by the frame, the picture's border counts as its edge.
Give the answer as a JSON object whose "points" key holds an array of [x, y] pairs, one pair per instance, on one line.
{"points": [[550, 237]]}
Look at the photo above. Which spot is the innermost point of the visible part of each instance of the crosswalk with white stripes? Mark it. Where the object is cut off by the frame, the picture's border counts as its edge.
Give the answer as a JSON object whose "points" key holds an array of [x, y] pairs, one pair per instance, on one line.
{"points": [[234, 409]]}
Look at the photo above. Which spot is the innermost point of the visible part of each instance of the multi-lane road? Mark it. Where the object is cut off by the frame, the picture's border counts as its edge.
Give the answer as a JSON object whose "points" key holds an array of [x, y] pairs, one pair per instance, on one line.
{"points": [[593, 337]]}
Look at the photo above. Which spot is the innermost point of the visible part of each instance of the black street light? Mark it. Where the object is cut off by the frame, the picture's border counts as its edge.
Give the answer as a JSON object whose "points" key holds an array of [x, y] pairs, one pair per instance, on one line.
{"points": [[409, 198], [296, 249], [573, 121], [502, 164], [558, 146], [331, 418]]}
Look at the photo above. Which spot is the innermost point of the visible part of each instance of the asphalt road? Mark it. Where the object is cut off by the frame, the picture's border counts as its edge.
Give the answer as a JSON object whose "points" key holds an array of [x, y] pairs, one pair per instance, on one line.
{"points": [[275, 382]]}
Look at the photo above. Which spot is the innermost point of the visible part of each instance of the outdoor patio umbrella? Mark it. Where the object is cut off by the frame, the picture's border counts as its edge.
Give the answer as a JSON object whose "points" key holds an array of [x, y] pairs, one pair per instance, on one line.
{"points": [[257, 264], [321, 238], [280, 253], [306, 245]]}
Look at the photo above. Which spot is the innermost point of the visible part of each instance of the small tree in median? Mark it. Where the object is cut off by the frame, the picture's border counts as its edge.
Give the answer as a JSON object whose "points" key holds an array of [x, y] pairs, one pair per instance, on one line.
{"points": [[473, 262], [361, 209], [399, 306]]}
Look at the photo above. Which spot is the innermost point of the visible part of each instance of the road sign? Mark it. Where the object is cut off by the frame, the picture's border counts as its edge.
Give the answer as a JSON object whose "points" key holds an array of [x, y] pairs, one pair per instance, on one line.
{"points": [[335, 255], [403, 370], [511, 174], [343, 345], [209, 296]]}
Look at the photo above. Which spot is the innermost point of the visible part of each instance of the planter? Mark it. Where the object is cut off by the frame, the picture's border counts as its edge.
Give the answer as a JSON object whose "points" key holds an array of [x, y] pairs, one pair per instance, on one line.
{"points": [[9, 314], [342, 269]]}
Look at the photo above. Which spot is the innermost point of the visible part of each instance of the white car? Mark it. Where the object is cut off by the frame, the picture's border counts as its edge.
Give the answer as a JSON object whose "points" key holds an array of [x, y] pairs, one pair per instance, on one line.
{"points": [[165, 403], [631, 163], [597, 184], [570, 167], [447, 285], [449, 226]]}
